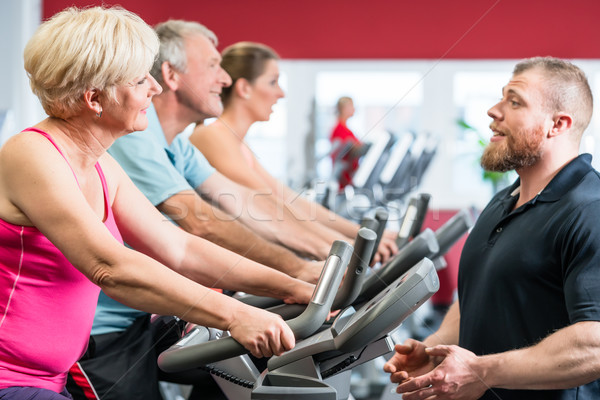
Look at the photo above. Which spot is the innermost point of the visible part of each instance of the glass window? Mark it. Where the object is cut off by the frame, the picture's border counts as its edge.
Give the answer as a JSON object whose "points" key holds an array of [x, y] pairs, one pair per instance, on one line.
{"points": [[384, 101], [474, 93], [267, 138]]}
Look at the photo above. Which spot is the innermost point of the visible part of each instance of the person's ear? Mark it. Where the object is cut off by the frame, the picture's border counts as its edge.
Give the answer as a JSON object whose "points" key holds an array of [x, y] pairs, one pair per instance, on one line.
{"points": [[562, 123], [171, 77], [92, 101], [242, 88]]}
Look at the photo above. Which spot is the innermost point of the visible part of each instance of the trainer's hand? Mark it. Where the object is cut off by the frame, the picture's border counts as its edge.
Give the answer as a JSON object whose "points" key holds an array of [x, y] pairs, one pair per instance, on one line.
{"points": [[458, 376], [263, 333], [410, 360]]}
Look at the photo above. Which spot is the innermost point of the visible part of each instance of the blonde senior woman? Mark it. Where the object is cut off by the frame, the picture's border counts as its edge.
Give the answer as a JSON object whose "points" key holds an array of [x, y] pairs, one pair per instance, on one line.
{"points": [[66, 207]]}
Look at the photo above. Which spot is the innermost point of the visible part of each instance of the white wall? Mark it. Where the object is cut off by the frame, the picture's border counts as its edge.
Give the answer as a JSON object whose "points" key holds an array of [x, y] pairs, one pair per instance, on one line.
{"points": [[20, 18], [18, 21], [438, 116]]}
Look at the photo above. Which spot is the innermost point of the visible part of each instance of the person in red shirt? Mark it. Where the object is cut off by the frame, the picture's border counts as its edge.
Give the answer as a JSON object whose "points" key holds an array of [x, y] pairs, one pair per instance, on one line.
{"points": [[346, 146]]}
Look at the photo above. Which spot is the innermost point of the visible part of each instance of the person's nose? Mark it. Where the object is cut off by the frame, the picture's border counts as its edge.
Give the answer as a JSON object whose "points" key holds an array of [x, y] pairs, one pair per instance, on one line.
{"points": [[155, 88], [280, 92], [224, 78], [495, 112]]}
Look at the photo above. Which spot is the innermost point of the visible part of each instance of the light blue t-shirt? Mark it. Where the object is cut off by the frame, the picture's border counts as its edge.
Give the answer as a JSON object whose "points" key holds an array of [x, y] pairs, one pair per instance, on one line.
{"points": [[159, 171]]}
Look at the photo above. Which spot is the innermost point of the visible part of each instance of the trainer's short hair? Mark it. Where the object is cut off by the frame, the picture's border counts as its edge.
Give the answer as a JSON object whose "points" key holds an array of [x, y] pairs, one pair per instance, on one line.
{"points": [[566, 89]]}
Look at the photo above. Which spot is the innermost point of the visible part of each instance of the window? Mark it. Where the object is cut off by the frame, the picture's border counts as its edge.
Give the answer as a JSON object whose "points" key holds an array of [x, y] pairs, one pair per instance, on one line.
{"points": [[266, 139], [474, 93], [384, 101]]}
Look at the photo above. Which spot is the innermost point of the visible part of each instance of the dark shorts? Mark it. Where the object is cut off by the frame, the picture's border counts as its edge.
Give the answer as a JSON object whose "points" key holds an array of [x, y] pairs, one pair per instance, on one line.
{"points": [[122, 365], [31, 393]]}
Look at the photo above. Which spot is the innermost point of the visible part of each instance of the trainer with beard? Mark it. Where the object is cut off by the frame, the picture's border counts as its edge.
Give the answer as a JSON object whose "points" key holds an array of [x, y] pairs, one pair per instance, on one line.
{"points": [[525, 325]]}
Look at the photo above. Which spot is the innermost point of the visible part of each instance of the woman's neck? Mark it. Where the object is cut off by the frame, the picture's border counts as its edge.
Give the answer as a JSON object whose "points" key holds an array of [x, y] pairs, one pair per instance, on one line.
{"points": [[238, 120], [83, 145]]}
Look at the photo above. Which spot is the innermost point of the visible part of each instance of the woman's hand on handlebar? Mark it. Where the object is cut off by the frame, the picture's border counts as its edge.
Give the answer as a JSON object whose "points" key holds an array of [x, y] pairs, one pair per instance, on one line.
{"points": [[263, 333], [311, 271], [387, 247], [298, 292]]}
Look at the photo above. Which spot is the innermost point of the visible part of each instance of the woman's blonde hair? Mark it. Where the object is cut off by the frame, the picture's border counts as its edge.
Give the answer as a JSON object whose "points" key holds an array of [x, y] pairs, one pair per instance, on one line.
{"points": [[91, 48]]}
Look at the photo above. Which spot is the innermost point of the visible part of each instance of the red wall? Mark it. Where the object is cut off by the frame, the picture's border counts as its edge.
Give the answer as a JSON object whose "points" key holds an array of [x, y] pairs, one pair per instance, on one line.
{"points": [[410, 29], [449, 275]]}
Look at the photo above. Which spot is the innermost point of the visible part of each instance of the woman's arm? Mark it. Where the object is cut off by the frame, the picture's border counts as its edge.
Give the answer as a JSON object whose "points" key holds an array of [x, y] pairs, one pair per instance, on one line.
{"points": [[221, 147], [223, 151], [146, 230], [260, 212], [200, 218], [39, 186], [331, 223]]}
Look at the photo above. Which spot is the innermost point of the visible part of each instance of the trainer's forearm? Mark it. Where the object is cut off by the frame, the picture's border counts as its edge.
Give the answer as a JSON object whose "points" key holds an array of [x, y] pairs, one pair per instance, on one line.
{"points": [[448, 332], [567, 358]]}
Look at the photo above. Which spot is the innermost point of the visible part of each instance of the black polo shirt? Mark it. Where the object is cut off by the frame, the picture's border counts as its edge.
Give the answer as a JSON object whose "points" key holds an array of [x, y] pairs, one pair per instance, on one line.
{"points": [[528, 272]]}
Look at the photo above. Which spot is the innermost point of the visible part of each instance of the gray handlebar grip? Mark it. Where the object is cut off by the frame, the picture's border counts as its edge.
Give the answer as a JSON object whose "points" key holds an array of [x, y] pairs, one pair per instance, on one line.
{"points": [[408, 220], [452, 230], [287, 311], [369, 223], [319, 307], [372, 224], [423, 245], [356, 271], [422, 206], [381, 216], [259, 301], [353, 280], [179, 357]]}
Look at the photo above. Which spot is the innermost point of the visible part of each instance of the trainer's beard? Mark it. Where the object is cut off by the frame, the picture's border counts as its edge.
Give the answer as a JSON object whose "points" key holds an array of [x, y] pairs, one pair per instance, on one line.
{"points": [[520, 150]]}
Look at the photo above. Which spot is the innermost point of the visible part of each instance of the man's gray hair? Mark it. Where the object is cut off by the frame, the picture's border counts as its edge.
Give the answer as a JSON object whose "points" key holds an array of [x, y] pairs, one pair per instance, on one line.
{"points": [[172, 35]]}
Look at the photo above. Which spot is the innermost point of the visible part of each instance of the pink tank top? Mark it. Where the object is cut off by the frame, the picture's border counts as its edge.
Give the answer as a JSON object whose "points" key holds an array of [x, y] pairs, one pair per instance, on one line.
{"points": [[46, 305]]}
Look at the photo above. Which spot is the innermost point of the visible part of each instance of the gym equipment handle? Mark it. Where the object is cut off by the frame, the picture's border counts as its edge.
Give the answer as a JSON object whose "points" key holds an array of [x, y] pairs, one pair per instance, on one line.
{"points": [[180, 357], [452, 230]]}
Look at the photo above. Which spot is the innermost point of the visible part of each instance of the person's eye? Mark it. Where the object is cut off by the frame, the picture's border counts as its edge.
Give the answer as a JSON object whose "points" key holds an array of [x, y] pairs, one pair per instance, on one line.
{"points": [[513, 102]]}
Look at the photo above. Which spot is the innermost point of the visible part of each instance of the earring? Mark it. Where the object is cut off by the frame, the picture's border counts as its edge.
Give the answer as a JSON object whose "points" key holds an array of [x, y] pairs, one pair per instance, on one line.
{"points": [[99, 114], [247, 96]]}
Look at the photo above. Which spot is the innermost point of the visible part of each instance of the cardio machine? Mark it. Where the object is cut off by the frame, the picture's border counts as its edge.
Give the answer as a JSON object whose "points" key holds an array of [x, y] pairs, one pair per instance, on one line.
{"points": [[319, 366]]}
